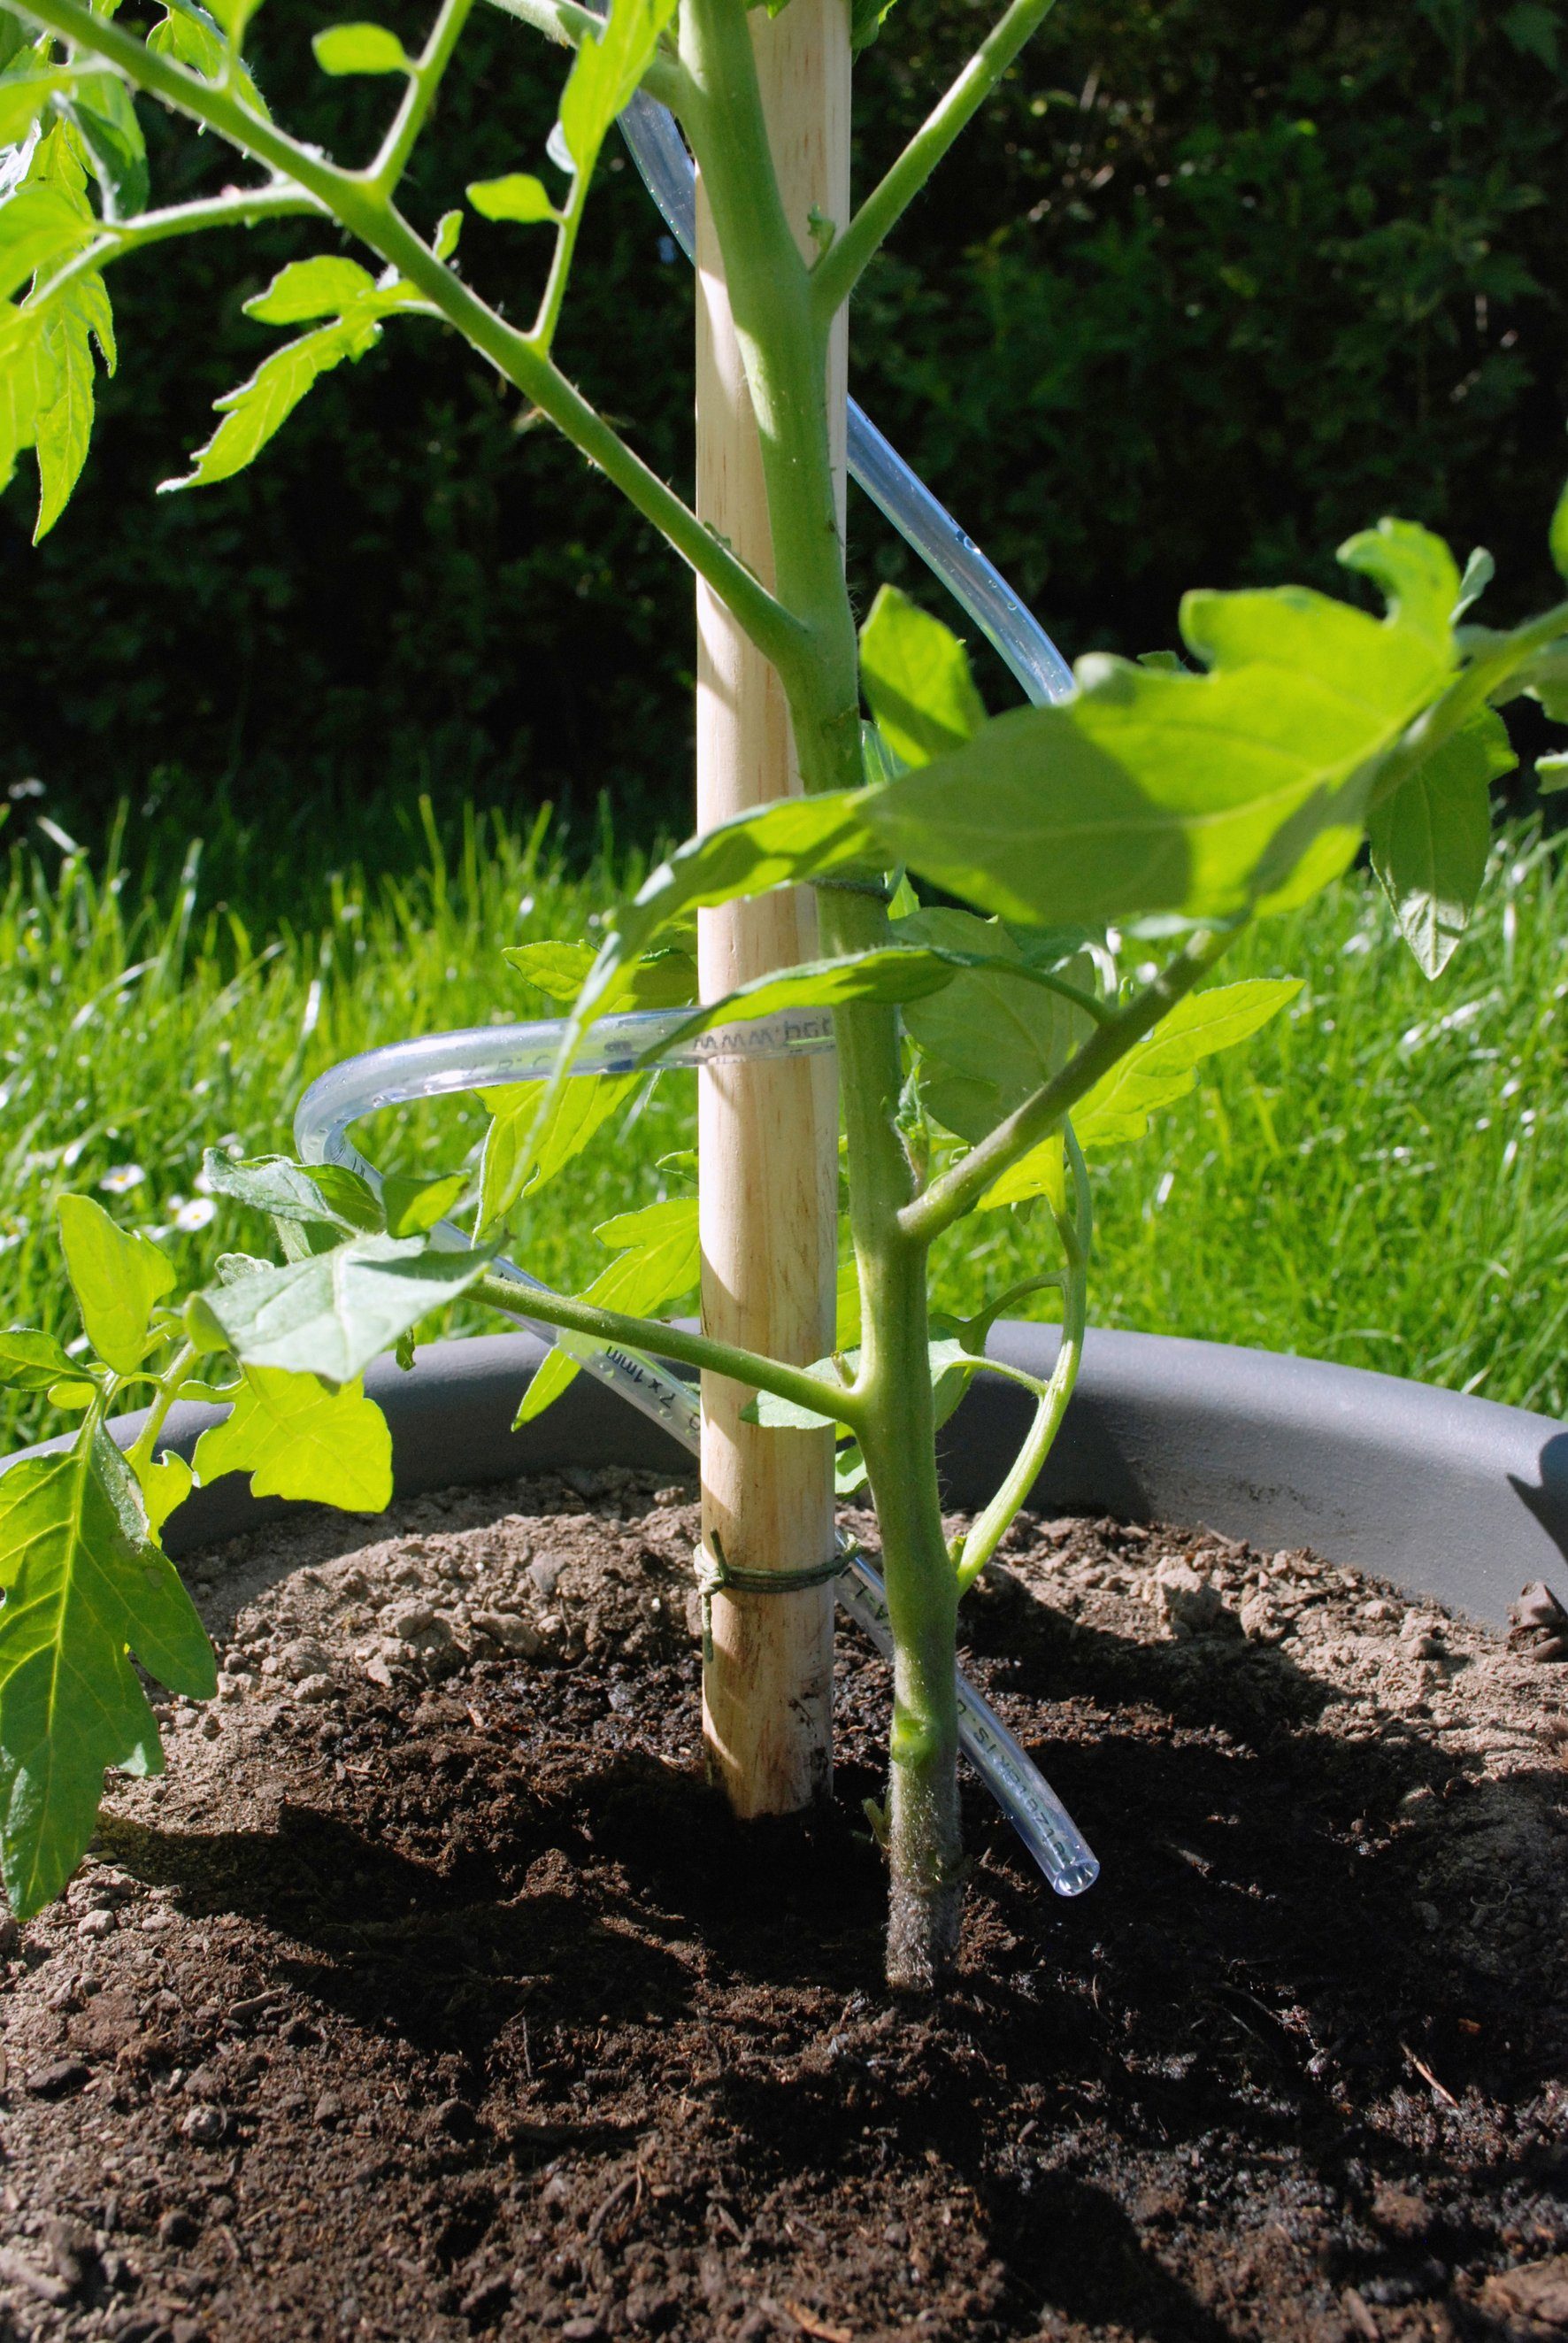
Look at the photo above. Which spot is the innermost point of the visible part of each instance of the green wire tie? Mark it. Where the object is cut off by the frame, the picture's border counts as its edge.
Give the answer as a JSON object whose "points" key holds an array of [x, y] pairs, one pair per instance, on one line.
{"points": [[715, 1575]]}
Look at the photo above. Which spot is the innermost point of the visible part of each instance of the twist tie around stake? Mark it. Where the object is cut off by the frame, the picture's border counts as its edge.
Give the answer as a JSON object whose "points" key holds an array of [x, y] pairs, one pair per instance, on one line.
{"points": [[715, 1575]]}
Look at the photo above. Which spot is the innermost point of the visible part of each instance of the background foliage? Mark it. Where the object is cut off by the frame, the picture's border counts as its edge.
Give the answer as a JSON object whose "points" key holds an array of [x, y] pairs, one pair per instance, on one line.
{"points": [[1213, 285]]}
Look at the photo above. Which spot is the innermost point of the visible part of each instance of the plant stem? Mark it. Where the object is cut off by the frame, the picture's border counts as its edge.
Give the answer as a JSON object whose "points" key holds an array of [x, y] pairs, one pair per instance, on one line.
{"points": [[242, 209], [420, 94], [835, 274], [991, 1526], [835, 1402], [168, 1383]]}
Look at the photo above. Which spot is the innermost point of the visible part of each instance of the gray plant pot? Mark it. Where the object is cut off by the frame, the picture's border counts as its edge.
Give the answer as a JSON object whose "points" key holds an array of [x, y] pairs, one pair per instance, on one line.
{"points": [[1451, 1497]]}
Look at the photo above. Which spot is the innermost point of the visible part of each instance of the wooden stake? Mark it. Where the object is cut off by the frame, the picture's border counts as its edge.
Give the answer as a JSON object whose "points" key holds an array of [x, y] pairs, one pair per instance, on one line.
{"points": [[767, 1132]]}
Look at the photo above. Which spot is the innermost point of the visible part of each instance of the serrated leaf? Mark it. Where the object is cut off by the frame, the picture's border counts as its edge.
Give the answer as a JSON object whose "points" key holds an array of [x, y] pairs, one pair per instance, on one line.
{"points": [[606, 72], [360, 49], [413, 1201], [102, 111], [519, 1155], [327, 1194], [662, 1261], [995, 1036], [331, 1314], [884, 972], [517, 197], [916, 676], [259, 408], [321, 287], [38, 225], [84, 1590], [116, 1277], [63, 428], [1201, 796], [1154, 1073], [296, 1438], [1431, 840], [30, 1360]]}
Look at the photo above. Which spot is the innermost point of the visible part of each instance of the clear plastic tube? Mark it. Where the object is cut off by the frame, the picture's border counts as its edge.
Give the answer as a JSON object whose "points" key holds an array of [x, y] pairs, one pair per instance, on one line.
{"points": [[485, 1054], [659, 153]]}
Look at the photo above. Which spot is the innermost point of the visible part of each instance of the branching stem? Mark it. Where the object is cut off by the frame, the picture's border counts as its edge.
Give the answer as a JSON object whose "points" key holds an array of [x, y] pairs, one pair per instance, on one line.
{"points": [[835, 275], [420, 94], [836, 1402]]}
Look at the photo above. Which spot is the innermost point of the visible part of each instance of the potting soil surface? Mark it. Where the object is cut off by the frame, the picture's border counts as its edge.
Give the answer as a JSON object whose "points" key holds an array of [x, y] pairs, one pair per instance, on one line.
{"points": [[431, 1994]]}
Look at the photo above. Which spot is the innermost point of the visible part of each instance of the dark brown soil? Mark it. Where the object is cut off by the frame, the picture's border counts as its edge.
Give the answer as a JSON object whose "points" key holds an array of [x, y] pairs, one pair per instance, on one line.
{"points": [[431, 1994]]}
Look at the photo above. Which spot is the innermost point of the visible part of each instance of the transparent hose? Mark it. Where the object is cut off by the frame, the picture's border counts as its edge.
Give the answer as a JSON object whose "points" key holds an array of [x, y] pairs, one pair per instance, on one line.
{"points": [[486, 1054], [659, 153]]}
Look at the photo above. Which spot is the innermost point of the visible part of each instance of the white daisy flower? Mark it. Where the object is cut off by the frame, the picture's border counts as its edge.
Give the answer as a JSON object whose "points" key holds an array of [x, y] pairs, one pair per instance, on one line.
{"points": [[122, 1178]]}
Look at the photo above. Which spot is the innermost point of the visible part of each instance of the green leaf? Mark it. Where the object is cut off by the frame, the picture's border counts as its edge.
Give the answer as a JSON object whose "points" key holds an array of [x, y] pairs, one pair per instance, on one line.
{"points": [[662, 1261], [1557, 537], [30, 1361], [296, 1438], [63, 427], [38, 225], [84, 1590], [258, 409], [1418, 577], [449, 228], [331, 1314], [606, 72], [116, 1277], [102, 111], [23, 98], [916, 677], [846, 1313], [166, 1483], [1157, 1071], [193, 38], [234, 17], [884, 972], [1479, 572], [1201, 796], [1552, 775], [1430, 840], [413, 1201], [75, 1392], [360, 49], [519, 196], [519, 1155], [321, 287], [664, 979], [995, 1036], [326, 1194], [867, 18]]}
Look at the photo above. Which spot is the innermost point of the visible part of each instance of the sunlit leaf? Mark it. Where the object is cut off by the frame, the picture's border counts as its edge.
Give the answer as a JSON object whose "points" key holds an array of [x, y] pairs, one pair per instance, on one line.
{"points": [[916, 676], [1430, 840], [517, 197], [296, 1438], [116, 1277], [85, 1590], [360, 49], [331, 1314]]}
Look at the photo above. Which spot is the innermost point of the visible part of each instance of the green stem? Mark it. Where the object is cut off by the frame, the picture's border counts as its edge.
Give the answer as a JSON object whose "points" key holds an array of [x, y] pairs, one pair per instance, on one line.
{"points": [[141, 1450], [836, 1402], [1487, 676], [836, 273], [420, 94], [987, 1531], [240, 210], [364, 209], [947, 1200]]}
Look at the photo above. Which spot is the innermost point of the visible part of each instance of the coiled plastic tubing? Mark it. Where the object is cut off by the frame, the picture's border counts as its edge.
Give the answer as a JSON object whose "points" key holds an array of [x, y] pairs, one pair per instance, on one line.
{"points": [[482, 1056]]}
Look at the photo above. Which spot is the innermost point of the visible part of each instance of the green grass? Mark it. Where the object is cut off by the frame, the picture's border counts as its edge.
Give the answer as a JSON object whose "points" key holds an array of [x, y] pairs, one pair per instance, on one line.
{"points": [[1378, 1178]]}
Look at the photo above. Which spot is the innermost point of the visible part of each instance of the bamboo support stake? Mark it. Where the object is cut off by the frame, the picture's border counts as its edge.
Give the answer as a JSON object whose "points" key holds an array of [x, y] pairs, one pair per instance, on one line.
{"points": [[767, 1132]]}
